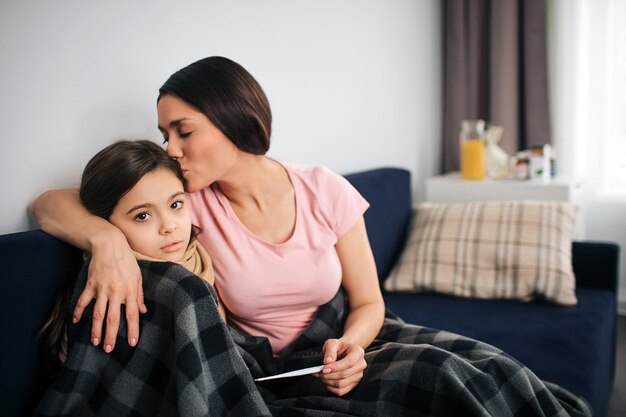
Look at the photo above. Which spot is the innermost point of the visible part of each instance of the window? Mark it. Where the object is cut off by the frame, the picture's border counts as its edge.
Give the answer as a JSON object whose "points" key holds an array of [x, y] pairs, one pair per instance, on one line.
{"points": [[615, 151], [587, 58]]}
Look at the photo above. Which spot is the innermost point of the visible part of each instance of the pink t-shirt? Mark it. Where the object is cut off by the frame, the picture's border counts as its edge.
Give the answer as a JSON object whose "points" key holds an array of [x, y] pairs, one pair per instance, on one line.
{"points": [[274, 290]]}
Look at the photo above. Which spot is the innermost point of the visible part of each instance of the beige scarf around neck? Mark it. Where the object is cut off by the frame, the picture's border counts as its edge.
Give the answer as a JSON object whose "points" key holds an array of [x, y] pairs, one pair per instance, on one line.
{"points": [[196, 259]]}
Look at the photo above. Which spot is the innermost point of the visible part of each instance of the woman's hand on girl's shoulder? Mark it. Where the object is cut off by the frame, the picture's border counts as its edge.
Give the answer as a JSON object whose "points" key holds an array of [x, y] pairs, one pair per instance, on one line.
{"points": [[345, 363], [113, 279]]}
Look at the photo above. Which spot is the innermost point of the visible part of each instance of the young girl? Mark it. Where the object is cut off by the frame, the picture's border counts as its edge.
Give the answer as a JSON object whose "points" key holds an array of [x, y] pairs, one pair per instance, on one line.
{"points": [[138, 188], [186, 362]]}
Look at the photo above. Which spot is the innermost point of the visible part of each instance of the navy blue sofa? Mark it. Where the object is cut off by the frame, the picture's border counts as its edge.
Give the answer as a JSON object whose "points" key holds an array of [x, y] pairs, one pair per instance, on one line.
{"points": [[571, 346]]}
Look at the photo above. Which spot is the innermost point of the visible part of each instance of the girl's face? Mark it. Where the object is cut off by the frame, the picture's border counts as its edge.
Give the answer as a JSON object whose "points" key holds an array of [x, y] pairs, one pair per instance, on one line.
{"points": [[204, 153], [154, 216]]}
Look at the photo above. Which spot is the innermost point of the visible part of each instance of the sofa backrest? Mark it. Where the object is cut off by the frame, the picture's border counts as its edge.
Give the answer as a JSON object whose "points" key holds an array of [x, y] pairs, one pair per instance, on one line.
{"points": [[388, 190], [33, 267]]}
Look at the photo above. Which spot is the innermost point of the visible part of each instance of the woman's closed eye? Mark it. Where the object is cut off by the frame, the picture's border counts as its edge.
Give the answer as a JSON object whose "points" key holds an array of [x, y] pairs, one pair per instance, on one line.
{"points": [[143, 216], [182, 135]]}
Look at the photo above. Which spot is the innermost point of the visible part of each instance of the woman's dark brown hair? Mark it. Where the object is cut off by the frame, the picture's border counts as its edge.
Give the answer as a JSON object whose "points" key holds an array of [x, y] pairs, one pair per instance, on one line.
{"points": [[230, 97], [108, 176]]}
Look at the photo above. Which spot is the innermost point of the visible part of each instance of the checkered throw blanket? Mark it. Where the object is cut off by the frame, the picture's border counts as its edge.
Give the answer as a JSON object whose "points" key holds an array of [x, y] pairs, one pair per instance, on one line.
{"points": [[412, 371], [185, 363], [188, 363]]}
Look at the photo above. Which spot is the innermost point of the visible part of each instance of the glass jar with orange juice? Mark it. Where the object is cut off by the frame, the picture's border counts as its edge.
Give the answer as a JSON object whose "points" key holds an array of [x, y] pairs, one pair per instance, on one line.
{"points": [[472, 139]]}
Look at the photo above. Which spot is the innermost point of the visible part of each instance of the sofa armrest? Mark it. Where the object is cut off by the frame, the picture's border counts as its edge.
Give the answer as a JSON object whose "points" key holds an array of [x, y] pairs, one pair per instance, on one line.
{"points": [[34, 266], [596, 264]]}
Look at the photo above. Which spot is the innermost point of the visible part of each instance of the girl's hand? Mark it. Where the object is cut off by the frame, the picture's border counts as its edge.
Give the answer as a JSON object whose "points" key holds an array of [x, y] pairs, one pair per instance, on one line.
{"points": [[114, 278], [345, 363]]}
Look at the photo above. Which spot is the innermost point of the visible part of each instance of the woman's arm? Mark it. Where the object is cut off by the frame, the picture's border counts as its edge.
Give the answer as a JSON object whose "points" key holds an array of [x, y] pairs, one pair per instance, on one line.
{"points": [[114, 276], [360, 280], [345, 356]]}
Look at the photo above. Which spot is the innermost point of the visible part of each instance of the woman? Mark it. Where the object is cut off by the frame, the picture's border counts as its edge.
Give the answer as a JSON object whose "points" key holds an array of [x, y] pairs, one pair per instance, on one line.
{"points": [[297, 225]]}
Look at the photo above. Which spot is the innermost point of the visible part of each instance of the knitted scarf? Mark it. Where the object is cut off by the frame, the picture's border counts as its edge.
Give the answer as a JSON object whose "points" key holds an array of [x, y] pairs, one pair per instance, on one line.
{"points": [[196, 259]]}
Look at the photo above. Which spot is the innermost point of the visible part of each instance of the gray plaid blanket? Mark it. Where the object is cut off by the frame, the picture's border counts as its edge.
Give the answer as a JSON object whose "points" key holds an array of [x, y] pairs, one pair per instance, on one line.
{"points": [[185, 363], [188, 363], [412, 371]]}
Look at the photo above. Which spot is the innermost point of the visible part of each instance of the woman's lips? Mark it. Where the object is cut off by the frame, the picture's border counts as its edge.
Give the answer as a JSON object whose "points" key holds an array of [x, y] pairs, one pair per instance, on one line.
{"points": [[172, 247]]}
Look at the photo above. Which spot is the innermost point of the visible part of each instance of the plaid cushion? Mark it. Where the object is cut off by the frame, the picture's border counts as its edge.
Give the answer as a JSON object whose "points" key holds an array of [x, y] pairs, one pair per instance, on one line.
{"points": [[514, 249]]}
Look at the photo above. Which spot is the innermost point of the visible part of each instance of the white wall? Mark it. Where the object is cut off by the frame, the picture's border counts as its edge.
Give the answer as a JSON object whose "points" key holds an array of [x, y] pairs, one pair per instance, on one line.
{"points": [[353, 84]]}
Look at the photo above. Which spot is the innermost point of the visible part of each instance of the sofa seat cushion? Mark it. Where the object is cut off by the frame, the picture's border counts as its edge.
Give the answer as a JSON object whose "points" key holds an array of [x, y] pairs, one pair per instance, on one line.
{"points": [[570, 346]]}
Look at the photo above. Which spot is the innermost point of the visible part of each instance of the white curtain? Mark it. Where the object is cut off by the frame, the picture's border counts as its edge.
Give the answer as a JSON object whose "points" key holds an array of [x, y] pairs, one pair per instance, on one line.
{"points": [[587, 71]]}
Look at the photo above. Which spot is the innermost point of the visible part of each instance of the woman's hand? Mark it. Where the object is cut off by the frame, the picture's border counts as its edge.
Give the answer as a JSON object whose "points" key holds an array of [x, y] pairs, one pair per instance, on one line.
{"points": [[345, 363], [114, 278]]}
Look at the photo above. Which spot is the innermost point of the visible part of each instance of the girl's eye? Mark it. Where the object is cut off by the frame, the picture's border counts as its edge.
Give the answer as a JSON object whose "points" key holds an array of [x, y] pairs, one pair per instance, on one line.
{"points": [[142, 217], [177, 205], [184, 134]]}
